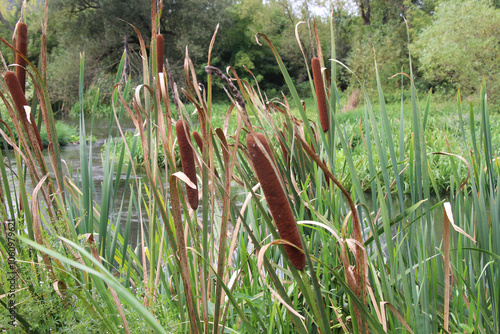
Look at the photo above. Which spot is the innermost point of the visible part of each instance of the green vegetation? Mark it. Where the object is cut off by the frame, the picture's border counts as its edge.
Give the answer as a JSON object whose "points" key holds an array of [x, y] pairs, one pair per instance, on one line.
{"points": [[460, 47], [66, 134], [221, 264], [454, 43]]}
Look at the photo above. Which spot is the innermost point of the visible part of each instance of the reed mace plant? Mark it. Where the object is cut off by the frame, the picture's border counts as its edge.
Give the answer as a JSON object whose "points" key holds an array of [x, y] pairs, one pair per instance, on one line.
{"points": [[198, 140], [21, 54], [378, 270], [159, 53], [320, 94], [22, 49], [187, 160], [17, 93], [276, 198]]}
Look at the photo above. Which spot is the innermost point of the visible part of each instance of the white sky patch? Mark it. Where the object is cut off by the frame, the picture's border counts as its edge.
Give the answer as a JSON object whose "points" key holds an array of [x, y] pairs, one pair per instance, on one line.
{"points": [[349, 6]]}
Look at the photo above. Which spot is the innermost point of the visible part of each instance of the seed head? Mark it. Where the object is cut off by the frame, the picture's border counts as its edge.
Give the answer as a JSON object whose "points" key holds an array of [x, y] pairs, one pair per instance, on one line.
{"points": [[20, 103], [159, 53], [22, 48], [320, 94], [276, 199], [187, 160]]}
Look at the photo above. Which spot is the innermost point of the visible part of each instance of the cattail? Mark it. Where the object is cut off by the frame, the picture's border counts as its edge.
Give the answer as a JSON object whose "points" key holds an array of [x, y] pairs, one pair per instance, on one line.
{"points": [[198, 140], [159, 53], [20, 102], [187, 160], [276, 199], [22, 49], [320, 94]]}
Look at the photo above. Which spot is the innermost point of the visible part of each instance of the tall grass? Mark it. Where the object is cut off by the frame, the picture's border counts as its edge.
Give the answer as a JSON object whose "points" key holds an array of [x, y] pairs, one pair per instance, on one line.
{"points": [[222, 265]]}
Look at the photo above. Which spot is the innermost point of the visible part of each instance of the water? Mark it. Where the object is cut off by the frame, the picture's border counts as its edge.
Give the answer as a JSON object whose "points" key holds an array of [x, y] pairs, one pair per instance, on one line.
{"points": [[70, 156]]}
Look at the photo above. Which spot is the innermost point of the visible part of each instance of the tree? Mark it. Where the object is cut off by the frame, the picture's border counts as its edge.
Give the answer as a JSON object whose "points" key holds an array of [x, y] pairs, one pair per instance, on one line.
{"points": [[364, 9], [461, 46], [102, 28]]}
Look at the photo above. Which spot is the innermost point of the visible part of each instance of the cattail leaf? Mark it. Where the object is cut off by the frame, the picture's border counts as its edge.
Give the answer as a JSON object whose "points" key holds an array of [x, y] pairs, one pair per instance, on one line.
{"points": [[451, 221], [182, 253], [448, 217], [93, 249], [237, 227], [183, 177], [397, 314], [37, 231], [102, 274], [328, 228], [464, 182], [260, 262]]}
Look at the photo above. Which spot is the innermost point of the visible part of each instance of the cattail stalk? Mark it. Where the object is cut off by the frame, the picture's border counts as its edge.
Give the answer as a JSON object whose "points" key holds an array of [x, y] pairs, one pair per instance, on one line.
{"points": [[159, 53], [20, 102], [320, 94], [276, 199], [187, 160]]}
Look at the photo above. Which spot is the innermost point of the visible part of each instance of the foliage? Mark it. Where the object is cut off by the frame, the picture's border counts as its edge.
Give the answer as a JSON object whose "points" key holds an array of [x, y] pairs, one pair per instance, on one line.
{"points": [[66, 134], [461, 46], [388, 46], [373, 264]]}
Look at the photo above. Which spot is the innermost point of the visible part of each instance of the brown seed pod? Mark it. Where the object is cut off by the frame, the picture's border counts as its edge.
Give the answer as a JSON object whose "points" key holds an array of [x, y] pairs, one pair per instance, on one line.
{"points": [[159, 53], [320, 94], [187, 160], [20, 102], [22, 48], [276, 199], [198, 140]]}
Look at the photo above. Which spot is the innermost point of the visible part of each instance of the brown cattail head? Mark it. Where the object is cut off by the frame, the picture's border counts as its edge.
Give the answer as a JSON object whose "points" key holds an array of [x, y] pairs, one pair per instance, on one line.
{"points": [[276, 199], [320, 94], [20, 102], [198, 140], [187, 160], [22, 48], [159, 53]]}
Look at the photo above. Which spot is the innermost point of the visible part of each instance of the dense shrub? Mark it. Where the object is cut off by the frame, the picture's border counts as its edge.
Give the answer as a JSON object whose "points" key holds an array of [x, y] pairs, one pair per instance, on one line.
{"points": [[461, 47]]}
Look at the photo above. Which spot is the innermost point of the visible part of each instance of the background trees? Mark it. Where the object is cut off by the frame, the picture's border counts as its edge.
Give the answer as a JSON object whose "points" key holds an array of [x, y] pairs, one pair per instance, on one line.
{"points": [[461, 46], [455, 41]]}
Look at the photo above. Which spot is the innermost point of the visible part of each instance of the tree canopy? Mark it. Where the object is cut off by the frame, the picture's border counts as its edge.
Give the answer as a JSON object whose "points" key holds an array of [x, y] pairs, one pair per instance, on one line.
{"points": [[455, 41], [461, 46]]}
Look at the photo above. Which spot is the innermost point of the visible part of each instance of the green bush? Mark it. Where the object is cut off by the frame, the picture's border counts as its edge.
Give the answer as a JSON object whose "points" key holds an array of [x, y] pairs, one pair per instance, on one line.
{"points": [[66, 134], [461, 47]]}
